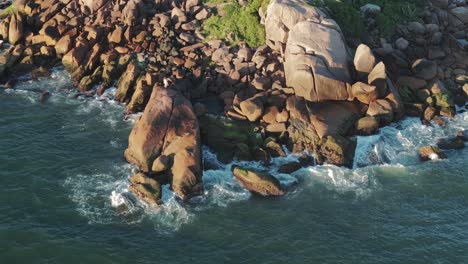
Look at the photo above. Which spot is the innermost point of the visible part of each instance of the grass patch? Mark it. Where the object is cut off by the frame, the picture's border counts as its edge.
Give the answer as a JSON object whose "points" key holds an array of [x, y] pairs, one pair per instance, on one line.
{"points": [[7, 12], [242, 23], [347, 14]]}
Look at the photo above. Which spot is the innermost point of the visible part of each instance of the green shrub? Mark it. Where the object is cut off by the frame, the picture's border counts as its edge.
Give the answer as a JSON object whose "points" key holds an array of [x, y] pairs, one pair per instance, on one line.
{"points": [[242, 22], [347, 14], [7, 12]]}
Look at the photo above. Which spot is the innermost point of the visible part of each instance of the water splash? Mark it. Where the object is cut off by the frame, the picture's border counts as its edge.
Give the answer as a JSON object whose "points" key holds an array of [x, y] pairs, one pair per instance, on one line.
{"points": [[104, 198]]}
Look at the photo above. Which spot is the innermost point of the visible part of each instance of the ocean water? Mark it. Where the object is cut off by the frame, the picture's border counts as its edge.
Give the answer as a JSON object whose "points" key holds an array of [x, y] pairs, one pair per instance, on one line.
{"points": [[64, 197]]}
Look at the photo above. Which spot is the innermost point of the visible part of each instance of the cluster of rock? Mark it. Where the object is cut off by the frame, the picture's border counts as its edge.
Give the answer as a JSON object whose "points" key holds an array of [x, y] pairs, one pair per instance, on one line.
{"points": [[98, 41], [301, 90], [429, 60]]}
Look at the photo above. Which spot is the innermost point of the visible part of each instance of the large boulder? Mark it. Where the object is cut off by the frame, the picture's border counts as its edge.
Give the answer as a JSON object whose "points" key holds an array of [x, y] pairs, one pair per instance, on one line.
{"points": [[258, 182], [317, 62], [283, 15], [92, 5], [378, 78], [320, 128], [364, 92], [168, 128], [252, 108]]}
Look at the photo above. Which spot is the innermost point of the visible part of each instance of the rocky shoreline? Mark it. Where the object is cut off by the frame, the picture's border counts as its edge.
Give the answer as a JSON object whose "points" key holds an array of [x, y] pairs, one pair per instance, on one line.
{"points": [[303, 89]]}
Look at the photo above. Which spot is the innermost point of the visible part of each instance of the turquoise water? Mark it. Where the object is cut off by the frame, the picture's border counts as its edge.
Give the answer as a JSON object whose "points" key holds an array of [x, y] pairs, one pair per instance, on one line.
{"points": [[64, 199]]}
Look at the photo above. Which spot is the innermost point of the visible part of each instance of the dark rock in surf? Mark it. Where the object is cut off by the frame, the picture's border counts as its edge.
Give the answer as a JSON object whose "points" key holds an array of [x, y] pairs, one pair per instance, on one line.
{"points": [[451, 143], [431, 153], [43, 97]]}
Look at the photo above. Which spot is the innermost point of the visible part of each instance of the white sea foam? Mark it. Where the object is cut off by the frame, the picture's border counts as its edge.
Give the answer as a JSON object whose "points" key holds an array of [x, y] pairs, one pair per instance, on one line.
{"points": [[104, 197]]}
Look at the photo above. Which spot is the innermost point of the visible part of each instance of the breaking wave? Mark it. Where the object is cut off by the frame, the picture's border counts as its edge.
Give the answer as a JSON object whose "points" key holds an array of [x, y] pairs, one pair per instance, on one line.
{"points": [[103, 198]]}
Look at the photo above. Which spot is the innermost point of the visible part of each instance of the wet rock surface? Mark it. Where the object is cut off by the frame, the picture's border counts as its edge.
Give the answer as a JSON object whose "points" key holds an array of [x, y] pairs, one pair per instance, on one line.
{"points": [[258, 182], [302, 90]]}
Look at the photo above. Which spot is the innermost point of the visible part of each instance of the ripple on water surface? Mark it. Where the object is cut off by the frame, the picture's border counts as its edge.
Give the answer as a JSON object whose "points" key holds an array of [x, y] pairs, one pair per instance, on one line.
{"points": [[102, 196]]}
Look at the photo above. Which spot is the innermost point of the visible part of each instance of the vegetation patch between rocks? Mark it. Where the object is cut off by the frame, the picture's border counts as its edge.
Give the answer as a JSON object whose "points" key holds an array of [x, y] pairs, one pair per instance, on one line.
{"points": [[235, 23], [347, 14]]}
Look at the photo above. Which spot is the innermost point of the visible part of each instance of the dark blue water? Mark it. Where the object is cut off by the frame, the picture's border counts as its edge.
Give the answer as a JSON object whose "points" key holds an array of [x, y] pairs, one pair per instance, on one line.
{"points": [[64, 198]]}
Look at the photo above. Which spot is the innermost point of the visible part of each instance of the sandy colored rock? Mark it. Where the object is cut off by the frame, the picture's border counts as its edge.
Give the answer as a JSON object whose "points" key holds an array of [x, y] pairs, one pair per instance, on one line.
{"points": [[270, 115], [93, 5], [367, 125], [252, 108], [283, 15], [364, 59], [64, 45], [257, 182], [74, 58], [276, 128], [316, 62], [365, 93], [431, 153]]}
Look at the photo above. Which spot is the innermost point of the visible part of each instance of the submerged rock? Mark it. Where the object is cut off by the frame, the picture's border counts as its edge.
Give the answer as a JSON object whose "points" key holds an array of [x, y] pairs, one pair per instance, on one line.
{"points": [[282, 15], [43, 97], [290, 167], [258, 182], [451, 143], [463, 135]]}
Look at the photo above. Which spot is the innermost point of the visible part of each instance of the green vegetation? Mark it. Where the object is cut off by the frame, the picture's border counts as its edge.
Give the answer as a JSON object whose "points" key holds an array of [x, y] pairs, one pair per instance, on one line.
{"points": [[7, 12], [347, 14], [240, 23]]}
